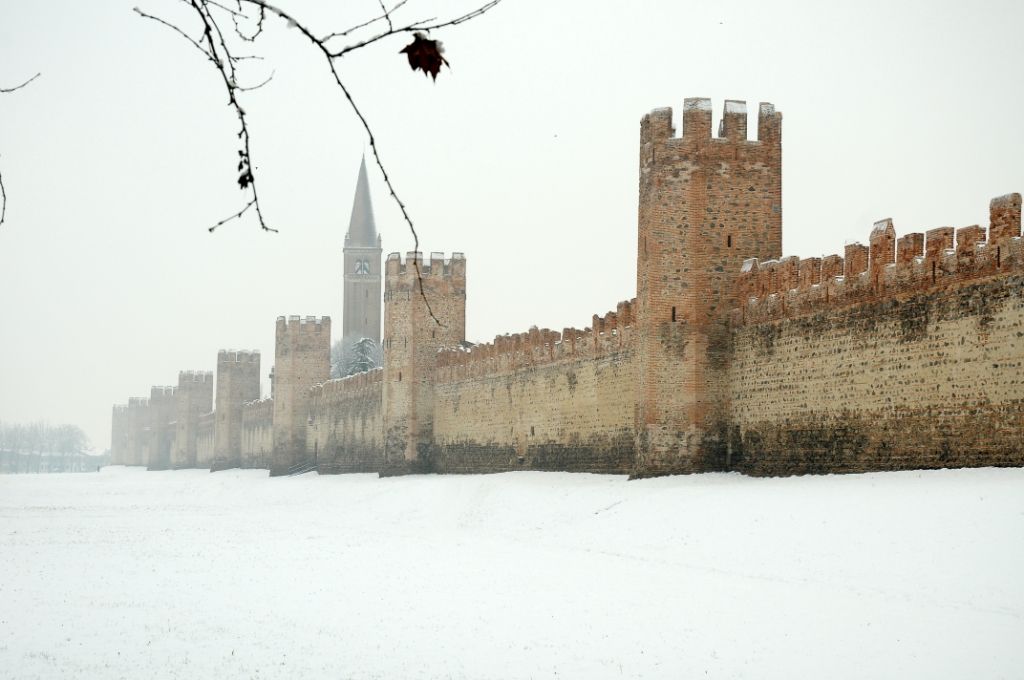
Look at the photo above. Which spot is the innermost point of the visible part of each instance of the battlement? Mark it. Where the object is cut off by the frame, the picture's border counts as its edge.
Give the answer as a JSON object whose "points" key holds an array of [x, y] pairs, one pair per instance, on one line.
{"points": [[438, 265], [888, 267], [607, 335], [258, 409], [120, 410], [189, 377], [232, 356], [349, 385], [138, 402], [161, 393], [657, 125], [308, 324]]}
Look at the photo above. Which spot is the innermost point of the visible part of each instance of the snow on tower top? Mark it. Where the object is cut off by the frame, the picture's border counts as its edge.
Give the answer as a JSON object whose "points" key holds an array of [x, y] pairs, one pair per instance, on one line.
{"points": [[362, 230]]}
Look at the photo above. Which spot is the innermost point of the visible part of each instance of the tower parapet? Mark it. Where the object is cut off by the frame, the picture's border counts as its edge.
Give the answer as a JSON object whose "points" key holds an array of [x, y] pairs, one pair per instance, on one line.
{"points": [[302, 358], [706, 204], [413, 333]]}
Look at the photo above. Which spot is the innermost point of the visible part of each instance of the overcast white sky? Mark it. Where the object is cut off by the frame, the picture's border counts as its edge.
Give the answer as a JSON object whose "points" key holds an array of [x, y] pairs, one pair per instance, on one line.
{"points": [[523, 156]]}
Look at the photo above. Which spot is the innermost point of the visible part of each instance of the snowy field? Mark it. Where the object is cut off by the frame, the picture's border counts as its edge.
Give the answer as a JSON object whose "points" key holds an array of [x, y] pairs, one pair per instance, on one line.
{"points": [[129, 574]]}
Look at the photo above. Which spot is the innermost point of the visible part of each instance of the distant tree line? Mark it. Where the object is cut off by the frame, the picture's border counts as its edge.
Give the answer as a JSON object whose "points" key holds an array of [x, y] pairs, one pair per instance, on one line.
{"points": [[42, 447]]}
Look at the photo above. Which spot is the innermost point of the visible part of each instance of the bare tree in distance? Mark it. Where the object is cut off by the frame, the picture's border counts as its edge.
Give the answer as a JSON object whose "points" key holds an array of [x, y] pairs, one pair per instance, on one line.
{"points": [[226, 27], [3, 192]]}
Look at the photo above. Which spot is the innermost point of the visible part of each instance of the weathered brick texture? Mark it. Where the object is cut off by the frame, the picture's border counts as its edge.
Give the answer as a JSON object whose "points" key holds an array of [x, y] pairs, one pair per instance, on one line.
{"points": [[540, 400], [346, 430], [257, 439]]}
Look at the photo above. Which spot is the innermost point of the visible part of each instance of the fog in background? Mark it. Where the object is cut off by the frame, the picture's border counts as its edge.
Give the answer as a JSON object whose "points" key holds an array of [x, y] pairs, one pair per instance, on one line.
{"points": [[523, 156]]}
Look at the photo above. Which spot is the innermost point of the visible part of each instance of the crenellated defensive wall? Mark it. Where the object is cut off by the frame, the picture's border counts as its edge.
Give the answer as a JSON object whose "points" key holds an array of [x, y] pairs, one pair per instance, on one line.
{"points": [[904, 352]]}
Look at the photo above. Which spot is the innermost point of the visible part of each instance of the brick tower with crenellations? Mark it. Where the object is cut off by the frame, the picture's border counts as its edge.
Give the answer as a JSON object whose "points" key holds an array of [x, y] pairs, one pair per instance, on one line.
{"points": [[418, 322], [706, 203], [302, 359]]}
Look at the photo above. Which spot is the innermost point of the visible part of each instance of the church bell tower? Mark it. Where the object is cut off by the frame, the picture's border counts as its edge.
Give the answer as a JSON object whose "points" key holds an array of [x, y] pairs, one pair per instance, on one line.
{"points": [[362, 252]]}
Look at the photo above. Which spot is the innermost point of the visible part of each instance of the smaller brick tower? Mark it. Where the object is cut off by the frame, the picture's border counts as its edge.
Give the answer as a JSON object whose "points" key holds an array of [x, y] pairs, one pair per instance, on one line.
{"points": [[411, 341], [302, 359], [194, 397], [119, 435], [136, 443], [162, 412], [238, 381]]}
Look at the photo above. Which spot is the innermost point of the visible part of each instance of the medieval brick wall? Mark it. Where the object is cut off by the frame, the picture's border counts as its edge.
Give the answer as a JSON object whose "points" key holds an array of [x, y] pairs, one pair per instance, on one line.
{"points": [[257, 437], [905, 352], [205, 440], [346, 429], [540, 400], [911, 358]]}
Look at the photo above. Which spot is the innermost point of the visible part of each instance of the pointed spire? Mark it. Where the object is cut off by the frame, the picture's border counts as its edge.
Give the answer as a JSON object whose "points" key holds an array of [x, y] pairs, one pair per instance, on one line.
{"points": [[362, 230]]}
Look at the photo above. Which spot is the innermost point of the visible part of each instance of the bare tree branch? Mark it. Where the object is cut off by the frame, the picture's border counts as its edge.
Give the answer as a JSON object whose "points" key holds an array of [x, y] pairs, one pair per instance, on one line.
{"points": [[18, 87], [385, 16], [250, 15], [3, 200], [3, 191]]}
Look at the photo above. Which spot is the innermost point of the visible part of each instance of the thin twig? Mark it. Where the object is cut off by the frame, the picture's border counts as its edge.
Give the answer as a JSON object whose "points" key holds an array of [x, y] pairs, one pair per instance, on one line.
{"points": [[3, 191], [387, 15], [18, 87], [3, 200], [214, 46]]}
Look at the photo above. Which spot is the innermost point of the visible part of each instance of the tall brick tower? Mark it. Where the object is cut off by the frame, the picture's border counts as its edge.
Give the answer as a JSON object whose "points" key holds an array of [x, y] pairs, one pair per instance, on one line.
{"points": [[238, 381], [194, 397], [302, 358], [706, 203], [411, 340], [362, 252]]}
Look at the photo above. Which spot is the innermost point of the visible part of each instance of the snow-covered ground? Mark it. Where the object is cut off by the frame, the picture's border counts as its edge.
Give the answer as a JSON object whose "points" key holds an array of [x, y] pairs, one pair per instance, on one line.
{"points": [[132, 574]]}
